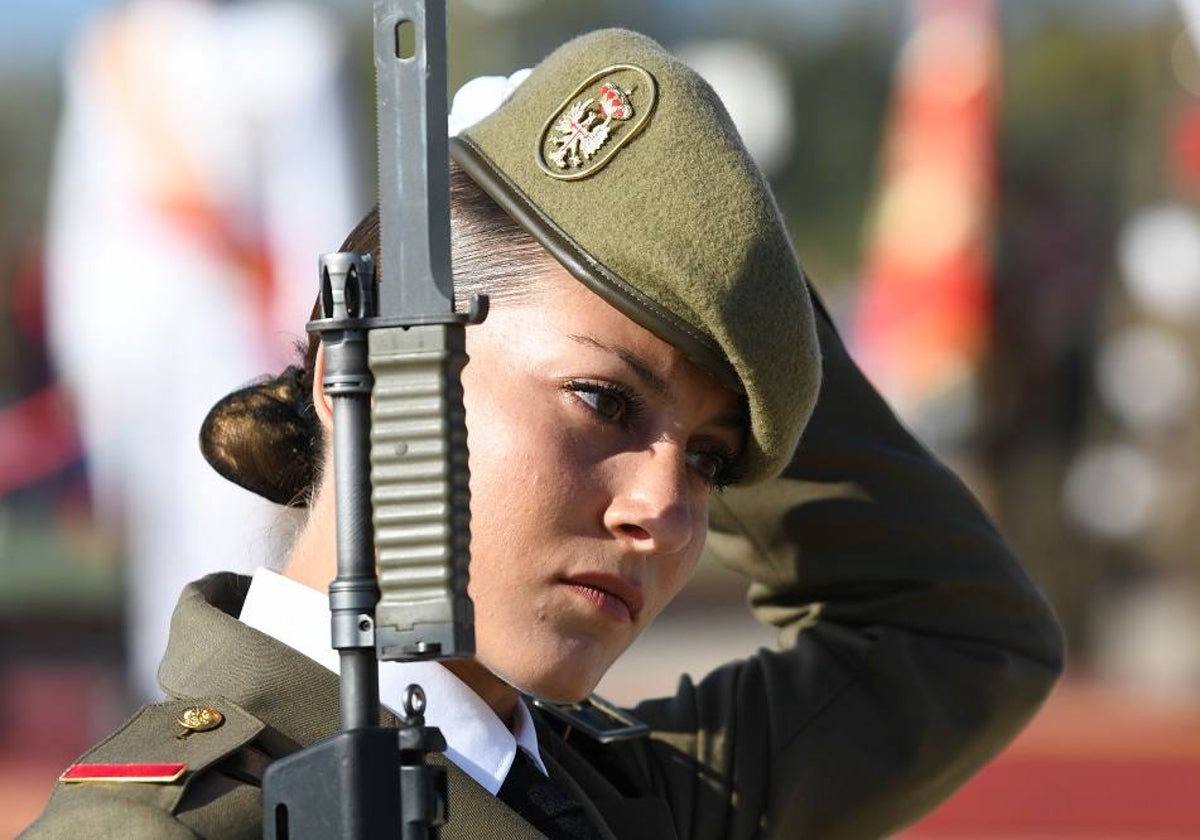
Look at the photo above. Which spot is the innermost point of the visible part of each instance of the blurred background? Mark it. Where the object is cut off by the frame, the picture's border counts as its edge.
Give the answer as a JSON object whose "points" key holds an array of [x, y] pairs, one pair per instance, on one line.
{"points": [[998, 201]]}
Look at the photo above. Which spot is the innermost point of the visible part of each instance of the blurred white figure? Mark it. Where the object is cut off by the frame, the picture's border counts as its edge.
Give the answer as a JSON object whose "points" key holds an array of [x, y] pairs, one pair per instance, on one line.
{"points": [[204, 160]]}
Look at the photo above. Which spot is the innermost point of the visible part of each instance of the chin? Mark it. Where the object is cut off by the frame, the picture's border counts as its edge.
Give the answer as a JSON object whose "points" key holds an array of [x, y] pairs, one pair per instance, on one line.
{"points": [[563, 681], [563, 695]]}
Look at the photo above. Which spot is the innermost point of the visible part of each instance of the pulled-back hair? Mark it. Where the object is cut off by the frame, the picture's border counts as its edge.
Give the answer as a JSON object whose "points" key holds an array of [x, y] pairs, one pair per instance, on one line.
{"points": [[266, 436]]}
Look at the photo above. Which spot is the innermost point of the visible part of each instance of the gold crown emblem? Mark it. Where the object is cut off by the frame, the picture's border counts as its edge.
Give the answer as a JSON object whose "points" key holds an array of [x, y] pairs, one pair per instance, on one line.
{"points": [[595, 122]]}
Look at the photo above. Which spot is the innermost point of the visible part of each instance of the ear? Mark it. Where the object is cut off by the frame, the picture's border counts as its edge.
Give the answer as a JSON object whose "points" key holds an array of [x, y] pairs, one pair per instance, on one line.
{"points": [[321, 403]]}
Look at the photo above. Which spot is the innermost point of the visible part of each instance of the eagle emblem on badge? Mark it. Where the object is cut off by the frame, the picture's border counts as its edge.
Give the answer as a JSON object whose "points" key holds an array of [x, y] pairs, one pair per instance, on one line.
{"points": [[579, 138], [600, 117]]}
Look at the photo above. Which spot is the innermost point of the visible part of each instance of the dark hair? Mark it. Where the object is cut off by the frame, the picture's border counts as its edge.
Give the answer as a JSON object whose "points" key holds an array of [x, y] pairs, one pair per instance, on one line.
{"points": [[266, 436]]}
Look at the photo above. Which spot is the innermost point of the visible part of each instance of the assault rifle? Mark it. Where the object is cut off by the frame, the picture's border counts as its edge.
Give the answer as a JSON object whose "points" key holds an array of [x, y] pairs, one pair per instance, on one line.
{"points": [[394, 351]]}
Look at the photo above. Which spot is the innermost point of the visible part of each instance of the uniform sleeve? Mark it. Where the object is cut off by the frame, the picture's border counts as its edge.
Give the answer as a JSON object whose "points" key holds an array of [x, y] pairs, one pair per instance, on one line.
{"points": [[98, 814], [914, 647]]}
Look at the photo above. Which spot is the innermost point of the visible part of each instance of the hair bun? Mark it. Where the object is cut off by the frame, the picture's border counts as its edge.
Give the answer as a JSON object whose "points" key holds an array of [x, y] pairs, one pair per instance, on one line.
{"points": [[263, 437]]}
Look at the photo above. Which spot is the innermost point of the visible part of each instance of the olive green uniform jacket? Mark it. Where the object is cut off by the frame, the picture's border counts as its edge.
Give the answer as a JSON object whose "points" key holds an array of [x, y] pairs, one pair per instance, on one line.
{"points": [[913, 648]]}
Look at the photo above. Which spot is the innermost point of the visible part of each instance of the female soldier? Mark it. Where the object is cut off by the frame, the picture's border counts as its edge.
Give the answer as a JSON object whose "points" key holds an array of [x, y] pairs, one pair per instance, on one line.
{"points": [[651, 341]]}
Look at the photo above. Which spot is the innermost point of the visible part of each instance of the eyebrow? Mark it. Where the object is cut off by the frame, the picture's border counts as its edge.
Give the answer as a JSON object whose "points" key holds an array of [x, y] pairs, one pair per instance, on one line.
{"points": [[649, 378], [729, 420]]}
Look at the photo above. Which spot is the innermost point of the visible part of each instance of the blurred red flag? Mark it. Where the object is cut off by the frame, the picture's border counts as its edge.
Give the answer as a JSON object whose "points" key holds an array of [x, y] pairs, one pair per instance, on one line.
{"points": [[1183, 147], [920, 325], [37, 439]]}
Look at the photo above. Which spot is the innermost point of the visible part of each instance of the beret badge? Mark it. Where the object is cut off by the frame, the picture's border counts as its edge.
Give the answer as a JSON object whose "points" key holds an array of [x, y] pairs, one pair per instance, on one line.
{"points": [[600, 116]]}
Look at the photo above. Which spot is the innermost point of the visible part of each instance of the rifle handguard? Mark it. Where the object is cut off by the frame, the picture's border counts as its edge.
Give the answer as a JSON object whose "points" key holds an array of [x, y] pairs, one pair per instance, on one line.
{"points": [[420, 493]]}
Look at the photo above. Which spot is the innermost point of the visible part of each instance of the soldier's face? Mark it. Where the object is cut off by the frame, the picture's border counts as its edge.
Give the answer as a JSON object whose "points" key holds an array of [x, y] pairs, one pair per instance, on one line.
{"points": [[594, 449]]}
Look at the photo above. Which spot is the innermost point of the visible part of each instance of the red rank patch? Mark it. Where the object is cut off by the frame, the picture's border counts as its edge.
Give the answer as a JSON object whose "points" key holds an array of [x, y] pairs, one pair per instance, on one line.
{"points": [[146, 773]]}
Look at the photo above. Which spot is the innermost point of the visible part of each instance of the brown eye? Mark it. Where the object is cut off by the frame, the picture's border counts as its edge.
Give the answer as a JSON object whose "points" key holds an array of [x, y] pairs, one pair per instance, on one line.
{"points": [[604, 404], [611, 403], [713, 466]]}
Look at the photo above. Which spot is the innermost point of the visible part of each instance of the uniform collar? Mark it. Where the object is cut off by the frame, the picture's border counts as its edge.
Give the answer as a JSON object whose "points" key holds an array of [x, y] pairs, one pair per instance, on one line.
{"points": [[212, 652], [477, 740]]}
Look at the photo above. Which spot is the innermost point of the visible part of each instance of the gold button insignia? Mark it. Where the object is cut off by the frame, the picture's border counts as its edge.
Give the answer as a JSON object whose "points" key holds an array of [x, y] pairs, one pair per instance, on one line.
{"points": [[604, 113], [198, 719]]}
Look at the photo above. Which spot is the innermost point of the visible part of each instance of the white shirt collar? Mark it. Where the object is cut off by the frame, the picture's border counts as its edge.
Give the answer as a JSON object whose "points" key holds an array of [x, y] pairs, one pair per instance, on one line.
{"points": [[477, 740]]}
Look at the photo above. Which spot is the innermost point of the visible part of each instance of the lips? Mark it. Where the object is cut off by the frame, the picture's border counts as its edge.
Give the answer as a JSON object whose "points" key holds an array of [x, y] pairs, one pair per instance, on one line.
{"points": [[610, 593]]}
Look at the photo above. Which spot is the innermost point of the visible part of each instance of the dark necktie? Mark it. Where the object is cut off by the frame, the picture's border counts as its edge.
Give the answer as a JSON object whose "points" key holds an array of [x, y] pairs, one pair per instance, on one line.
{"points": [[545, 804]]}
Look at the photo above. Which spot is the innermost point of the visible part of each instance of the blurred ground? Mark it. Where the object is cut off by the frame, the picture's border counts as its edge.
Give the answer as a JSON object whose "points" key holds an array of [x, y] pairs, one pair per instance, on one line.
{"points": [[1095, 764]]}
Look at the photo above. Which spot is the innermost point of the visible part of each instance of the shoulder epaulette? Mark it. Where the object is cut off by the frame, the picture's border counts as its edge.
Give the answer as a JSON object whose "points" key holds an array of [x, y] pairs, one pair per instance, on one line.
{"points": [[163, 747]]}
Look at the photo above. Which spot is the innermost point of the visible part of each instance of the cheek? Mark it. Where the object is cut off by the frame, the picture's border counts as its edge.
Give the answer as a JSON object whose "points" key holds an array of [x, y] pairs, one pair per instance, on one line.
{"points": [[511, 461], [501, 453], [522, 488], [674, 574], [528, 464], [681, 575]]}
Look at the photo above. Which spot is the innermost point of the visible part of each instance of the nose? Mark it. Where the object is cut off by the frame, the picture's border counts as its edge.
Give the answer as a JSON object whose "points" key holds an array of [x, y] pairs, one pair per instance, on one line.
{"points": [[650, 508]]}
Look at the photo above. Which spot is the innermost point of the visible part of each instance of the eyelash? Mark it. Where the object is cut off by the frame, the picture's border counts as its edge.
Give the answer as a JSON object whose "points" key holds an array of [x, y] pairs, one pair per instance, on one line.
{"points": [[631, 405], [725, 472], [631, 408]]}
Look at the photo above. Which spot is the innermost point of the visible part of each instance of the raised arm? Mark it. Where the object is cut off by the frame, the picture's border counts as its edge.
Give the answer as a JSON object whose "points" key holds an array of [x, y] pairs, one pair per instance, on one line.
{"points": [[914, 646]]}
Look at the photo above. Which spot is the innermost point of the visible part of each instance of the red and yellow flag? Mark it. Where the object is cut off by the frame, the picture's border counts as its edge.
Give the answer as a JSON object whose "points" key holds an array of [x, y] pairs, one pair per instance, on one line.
{"points": [[921, 323]]}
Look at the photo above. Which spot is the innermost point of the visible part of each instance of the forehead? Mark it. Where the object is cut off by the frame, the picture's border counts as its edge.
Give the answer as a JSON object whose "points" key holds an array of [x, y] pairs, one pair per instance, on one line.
{"points": [[566, 311]]}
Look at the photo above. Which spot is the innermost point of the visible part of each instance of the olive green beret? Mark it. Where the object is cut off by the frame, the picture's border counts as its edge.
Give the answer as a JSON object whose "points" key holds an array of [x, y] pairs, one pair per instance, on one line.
{"points": [[624, 164]]}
